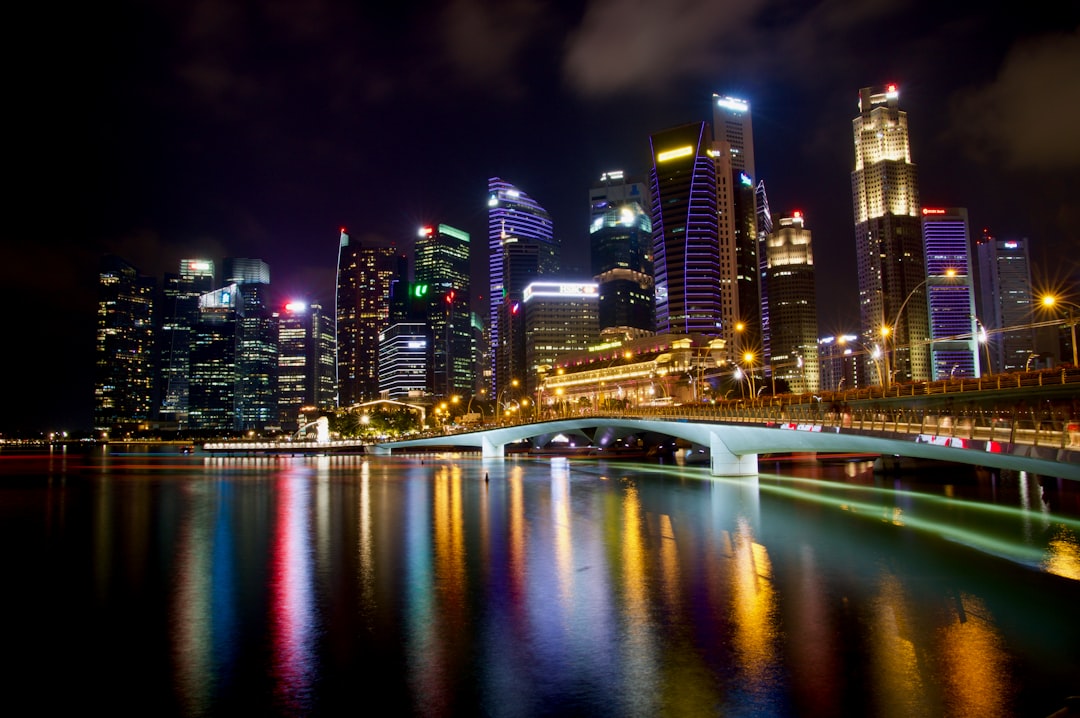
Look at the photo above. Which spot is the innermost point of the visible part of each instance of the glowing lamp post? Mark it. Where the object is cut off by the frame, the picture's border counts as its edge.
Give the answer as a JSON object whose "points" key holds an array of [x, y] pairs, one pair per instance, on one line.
{"points": [[1049, 301], [889, 330]]}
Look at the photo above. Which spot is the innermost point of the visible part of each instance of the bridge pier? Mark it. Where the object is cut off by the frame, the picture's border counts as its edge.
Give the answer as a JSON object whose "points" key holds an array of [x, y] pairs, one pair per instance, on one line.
{"points": [[724, 463], [491, 450], [376, 449]]}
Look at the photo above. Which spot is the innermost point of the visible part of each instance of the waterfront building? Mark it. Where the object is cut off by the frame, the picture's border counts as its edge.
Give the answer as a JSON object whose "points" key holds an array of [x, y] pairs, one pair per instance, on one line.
{"points": [[692, 294], [1006, 307], [442, 264], [362, 310], [792, 305], [404, 358], [180, 313], [846, 364], [620, 243], [124, 347], [521, 248], [950, 293], [888, 235], [764, 230], [733, 151], [560, 317], [213, 363], [305, 363], [256, 396]]}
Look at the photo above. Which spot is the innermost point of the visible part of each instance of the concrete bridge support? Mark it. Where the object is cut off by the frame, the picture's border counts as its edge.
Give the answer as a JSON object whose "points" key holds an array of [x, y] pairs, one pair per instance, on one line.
{"points": [[376, 449], [725, 463], [491, 450]]}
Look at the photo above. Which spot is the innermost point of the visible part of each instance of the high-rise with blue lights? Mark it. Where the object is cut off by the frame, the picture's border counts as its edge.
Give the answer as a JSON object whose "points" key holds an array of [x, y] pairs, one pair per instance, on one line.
{"points": [[521, 248], [620, 244], [733, 151], [256, 344], [950, 293], [888, 235], [686, 250], [180, 313]]}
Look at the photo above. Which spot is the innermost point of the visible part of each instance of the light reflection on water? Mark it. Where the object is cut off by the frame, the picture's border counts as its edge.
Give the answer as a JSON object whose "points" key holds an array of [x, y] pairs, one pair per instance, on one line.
{"points": [[313, 586]]}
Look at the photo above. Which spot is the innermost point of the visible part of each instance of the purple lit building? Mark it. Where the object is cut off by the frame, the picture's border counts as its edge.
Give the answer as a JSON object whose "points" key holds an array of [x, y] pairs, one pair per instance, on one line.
{"points": [[950, 294]]}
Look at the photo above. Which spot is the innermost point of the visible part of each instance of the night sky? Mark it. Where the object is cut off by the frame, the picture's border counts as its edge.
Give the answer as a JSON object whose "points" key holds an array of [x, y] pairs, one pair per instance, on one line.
{"points": [[161, 130]]}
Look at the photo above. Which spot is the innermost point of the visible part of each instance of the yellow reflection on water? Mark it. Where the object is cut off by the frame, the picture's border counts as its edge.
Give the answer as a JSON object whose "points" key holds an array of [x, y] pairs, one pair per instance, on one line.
{"points": [[974, 667], [898, 682], [1063, 554], [754, 606]]}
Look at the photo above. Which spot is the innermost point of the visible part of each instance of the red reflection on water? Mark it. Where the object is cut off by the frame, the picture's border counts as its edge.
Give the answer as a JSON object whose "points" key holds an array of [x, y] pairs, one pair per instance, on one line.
{"points": [[291, 612]]}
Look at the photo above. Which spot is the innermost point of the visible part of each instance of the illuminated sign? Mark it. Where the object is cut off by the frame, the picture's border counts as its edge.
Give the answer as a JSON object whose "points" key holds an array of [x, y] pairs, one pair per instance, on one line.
{"points": [[732, 103], [1011, 245], [927, 210], [556, 289], [416, 345], [675, 154], [613, 175], [425, 232], [296, 307], [745, 179], [419, 290]]}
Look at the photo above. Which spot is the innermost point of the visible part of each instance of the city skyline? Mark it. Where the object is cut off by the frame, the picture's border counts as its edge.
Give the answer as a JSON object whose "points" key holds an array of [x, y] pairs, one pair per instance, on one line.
{"points": [[192, 143]]}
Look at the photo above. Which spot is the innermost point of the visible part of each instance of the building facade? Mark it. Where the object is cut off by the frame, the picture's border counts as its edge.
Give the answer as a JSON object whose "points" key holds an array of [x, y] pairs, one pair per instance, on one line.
{"points": [[404, 354], [364, 280], [792, 305], [305, 363], [1006, 306], [256, 344], [888, 236], [521, 248], [442, 263], [124, 347], [180, 313], [560, 318], [689, 283], [620, 244], [950, 294]]}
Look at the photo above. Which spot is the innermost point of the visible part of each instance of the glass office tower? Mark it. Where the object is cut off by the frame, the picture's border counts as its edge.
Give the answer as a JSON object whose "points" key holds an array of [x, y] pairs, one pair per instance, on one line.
{"points": [[950, 293]]}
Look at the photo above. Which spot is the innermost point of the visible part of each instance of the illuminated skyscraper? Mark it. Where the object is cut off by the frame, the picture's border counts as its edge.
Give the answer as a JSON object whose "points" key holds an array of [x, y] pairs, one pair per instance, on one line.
{"points": [[620, 239], [950, 294], [180, 314], [888, 234], [213, 387], [792, 304], [521, 248], [364, 278], [737, 226], [1005, 301], [764, 229], [560, 318], [256, 344], [305, 362], [442, 263], [686, 250], [123, 379]]}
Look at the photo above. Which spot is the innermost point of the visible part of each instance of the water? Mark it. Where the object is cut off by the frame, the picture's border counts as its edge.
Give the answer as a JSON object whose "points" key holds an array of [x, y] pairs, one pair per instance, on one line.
{"points": [[159, 584]]}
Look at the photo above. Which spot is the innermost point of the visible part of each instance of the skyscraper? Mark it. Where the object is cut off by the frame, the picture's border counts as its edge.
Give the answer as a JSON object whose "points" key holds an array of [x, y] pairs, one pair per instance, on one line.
{"points": [[686, 250], [124, 344], [180, 313], [213, 386], [521, 247], [305, 362], [442, 263], [1005, 301], [950, 293], [620, 240], [364, 277], [764, 229], [256, 344], [560, 318], [888, 236], [737, 227], [792, 304]]}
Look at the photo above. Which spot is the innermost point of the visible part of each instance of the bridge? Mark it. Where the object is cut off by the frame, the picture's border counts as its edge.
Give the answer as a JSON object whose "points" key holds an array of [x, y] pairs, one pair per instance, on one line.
{"points": [[1026, 422]]}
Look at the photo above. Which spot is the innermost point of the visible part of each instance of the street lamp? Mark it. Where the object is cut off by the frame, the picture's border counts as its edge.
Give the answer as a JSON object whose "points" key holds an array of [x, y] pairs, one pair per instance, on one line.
{"points": [[499, 405], [984, 339], [748, 358], [1050, 301], [887, 330]]}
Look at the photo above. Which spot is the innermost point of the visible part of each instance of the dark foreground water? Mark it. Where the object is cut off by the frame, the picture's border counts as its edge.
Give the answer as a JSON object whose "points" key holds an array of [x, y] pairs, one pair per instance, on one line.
{"points": [[153, 584]]}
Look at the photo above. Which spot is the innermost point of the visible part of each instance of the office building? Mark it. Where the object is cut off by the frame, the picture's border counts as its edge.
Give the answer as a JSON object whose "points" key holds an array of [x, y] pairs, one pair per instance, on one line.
{"points": [[764, 230], [846, 364], [560, 318], [213, 363], [950, 294], [442, 264], [305, 363], [888, 236], [620, 243], [689, 283], [733, 151], [180, 313], [521, 248], [792, 305], [124, 347], [362, 310], [404, 355], [256, 344], [1006, 308]]}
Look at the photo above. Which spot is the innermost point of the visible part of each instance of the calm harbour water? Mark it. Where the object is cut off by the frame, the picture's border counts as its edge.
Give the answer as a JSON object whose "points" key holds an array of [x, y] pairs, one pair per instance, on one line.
{"points": [[161, 584]]}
